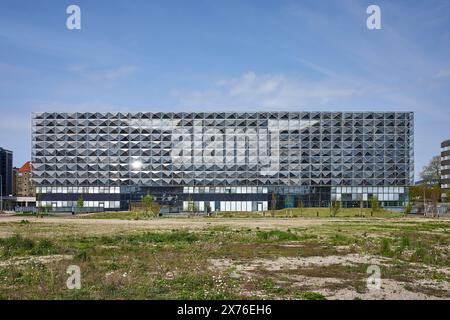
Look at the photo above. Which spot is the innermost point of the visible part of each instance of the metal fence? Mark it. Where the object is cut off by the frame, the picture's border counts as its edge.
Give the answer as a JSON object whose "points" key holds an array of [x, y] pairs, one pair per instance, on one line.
{"points": [[57, 210], [25, 209], [76, 210], [442, 209]]}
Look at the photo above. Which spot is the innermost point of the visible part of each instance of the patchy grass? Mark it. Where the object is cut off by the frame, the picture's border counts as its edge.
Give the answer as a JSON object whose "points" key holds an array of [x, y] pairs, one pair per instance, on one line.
{"points": [[282, 213], [132, 263], [310, 212], [312, 296], [20, 246], [385, 248], [161, 237], [123, 215], [276, 235]]}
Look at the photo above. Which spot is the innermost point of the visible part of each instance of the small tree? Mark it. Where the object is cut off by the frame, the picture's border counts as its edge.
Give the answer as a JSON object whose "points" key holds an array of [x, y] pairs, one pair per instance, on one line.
{"points": [[190, 204], [147, 202], [435, 195], [273, 204], [287, 204], [48, 208], [418, 192], [80, 203], [431, 173], [300, 205], [424, 193], [375, 205], [335, 207], [447, 195], [361, 204], [408, 208]]}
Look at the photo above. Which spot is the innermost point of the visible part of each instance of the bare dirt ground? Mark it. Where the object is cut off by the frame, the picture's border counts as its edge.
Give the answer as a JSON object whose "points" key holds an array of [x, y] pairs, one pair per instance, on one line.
{"points": [[330, 286], [55, 225], [34, 260], [270, 258], [108, 225]]}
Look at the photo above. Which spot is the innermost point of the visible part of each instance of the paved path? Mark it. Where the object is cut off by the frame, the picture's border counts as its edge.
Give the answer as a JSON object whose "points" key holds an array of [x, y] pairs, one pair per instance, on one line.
{"points": [[198, 222], [182, 222]]}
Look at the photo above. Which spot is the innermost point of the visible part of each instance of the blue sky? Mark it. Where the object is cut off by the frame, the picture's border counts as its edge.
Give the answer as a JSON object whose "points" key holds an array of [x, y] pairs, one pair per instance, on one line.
{"points": [[225, 55]]}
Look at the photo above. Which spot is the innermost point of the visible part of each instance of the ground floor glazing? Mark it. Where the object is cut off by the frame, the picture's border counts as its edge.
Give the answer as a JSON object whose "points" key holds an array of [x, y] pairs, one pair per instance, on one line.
{"points": [[220, 198]]}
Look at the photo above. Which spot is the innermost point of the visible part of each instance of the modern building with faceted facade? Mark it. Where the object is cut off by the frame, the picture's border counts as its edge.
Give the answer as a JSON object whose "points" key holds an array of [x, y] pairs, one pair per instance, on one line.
{"points": [[445, 165], [227, 161]]}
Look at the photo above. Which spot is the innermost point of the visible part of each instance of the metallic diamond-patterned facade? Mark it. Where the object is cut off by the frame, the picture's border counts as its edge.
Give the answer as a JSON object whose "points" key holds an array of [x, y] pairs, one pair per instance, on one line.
{"points": [[273, 149]]}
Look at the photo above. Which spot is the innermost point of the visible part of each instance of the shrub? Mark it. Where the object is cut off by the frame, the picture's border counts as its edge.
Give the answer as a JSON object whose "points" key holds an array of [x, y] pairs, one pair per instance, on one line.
{"points": [[18, 245], [312, 296], [419, 254], [408, 208], [405, 242], [335, 208], [340, 239], [166, 237], [276, 235], [82, 256], [17, 242], [42, 247], [385, 248]]}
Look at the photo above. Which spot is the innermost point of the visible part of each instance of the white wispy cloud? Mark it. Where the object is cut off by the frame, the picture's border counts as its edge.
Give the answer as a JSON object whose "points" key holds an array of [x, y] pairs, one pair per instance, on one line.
{"points": [[104, 74], [268, 91], [443, 73]]}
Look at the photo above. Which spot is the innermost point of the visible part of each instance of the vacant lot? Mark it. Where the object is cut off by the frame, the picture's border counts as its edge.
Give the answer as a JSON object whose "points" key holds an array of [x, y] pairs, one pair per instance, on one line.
{"points": [[224, 257]]}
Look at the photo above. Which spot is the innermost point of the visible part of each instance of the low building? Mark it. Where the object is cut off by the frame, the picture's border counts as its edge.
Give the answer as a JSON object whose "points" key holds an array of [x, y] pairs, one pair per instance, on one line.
{"points": [[6, 178], [445, 165], [26, 190], [25, 185]]}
